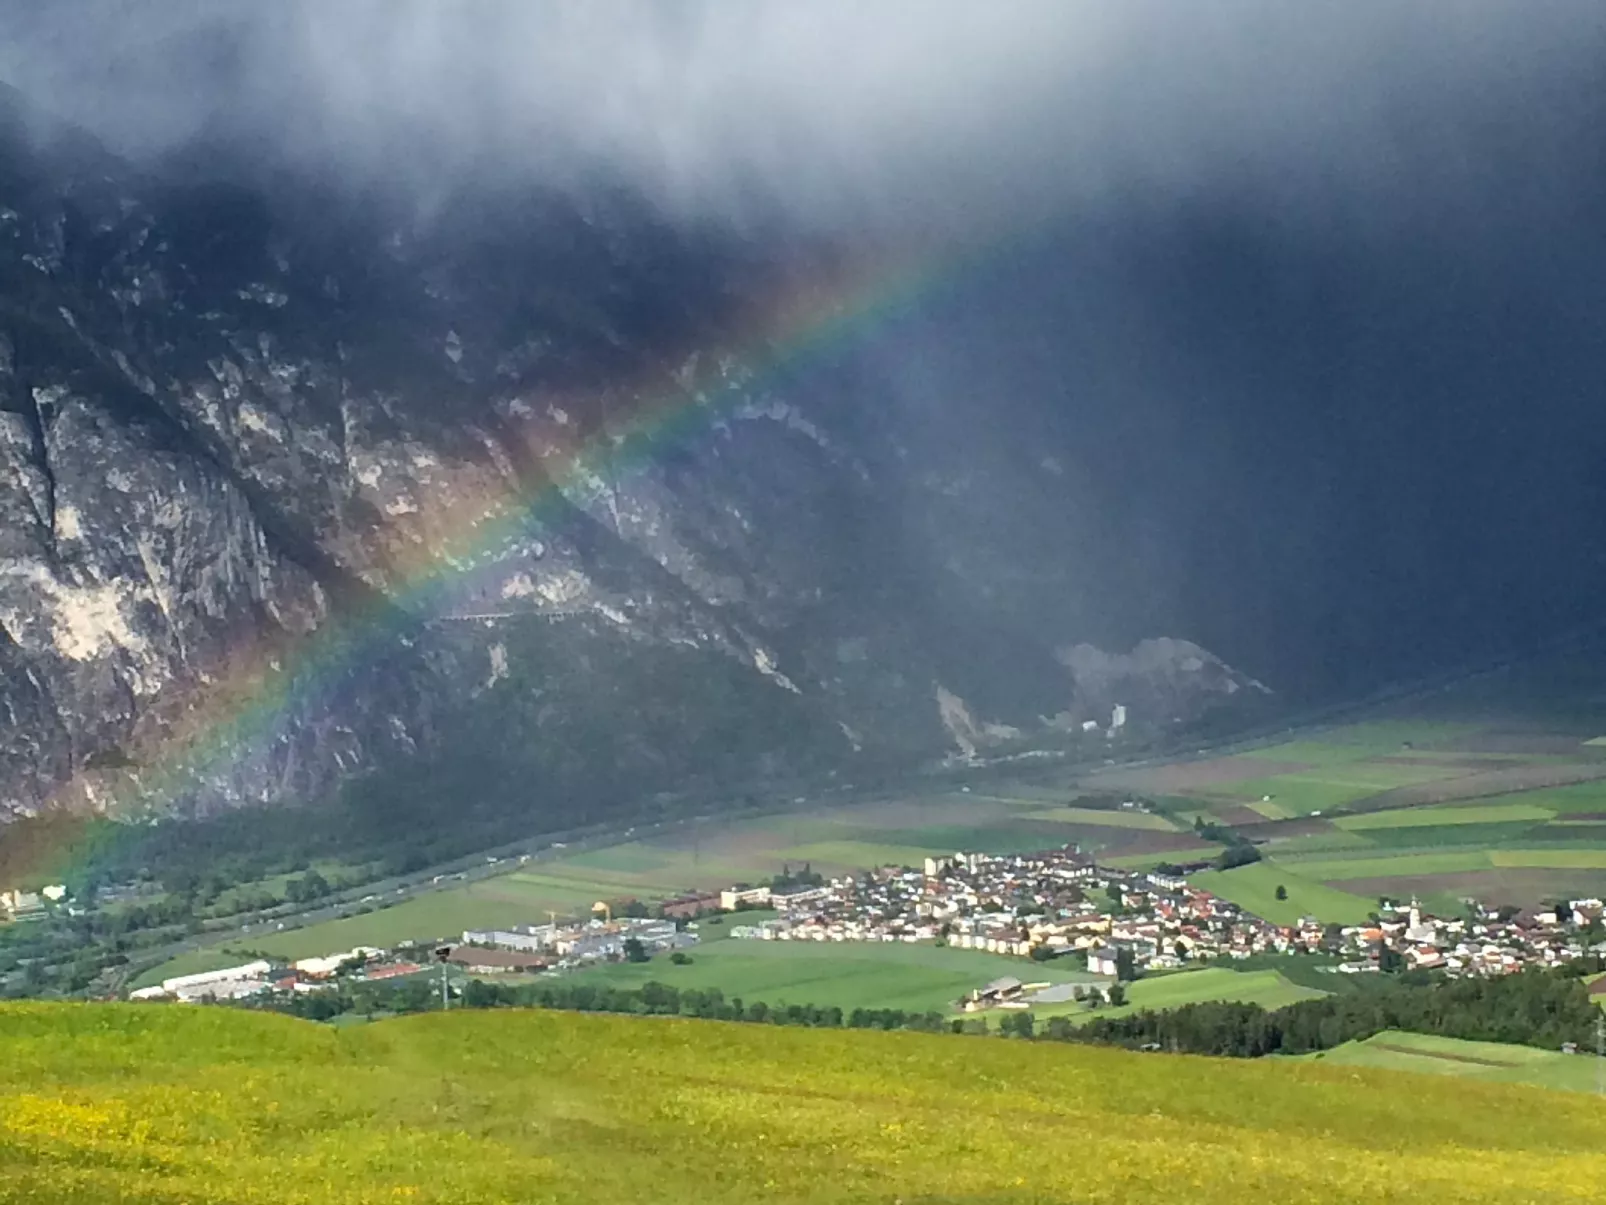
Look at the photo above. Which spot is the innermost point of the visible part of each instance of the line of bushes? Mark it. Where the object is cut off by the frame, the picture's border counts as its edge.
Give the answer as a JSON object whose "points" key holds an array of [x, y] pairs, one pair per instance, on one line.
{"points": [[1544, 1008]]}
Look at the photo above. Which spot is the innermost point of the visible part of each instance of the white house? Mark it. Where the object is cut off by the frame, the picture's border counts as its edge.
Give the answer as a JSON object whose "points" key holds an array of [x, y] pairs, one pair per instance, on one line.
{"points": [[1102, 960], [730, 899]]}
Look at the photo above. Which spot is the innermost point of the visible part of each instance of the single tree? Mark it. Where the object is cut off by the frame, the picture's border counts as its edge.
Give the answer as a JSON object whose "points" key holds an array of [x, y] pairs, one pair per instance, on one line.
{"points": [[1282, 892]]}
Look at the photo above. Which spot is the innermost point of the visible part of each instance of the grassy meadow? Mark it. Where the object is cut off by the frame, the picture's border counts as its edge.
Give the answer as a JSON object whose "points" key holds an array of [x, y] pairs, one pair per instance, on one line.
{"points": [[1254, 889], [1267, 988], [1490, 1062], [110, 1104], [917, 978]]}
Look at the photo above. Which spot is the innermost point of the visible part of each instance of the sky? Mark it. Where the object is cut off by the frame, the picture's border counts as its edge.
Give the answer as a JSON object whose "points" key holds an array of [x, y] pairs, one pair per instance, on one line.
{"points": [[1309, 292]]}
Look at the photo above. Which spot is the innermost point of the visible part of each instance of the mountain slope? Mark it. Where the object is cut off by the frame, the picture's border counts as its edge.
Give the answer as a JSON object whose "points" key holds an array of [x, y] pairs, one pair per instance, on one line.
{"points": [[150, 1103], [521, 496]]}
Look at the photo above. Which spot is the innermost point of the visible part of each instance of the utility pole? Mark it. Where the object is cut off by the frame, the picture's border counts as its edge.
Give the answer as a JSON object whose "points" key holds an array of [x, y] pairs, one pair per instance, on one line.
{"points": [[442, 953]]}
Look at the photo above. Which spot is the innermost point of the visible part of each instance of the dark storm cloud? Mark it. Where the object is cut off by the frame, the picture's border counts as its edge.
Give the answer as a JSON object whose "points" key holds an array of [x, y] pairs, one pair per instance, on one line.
{"points": [[1308, 294], [955, 111]]}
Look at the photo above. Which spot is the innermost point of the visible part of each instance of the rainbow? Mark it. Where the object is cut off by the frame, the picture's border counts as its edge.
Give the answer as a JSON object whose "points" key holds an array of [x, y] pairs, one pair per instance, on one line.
{"points": [[801, 326]]}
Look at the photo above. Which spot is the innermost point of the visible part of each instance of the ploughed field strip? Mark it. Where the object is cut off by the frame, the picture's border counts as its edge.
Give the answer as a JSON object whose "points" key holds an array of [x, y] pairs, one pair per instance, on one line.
{"points": [[101, 1104]]}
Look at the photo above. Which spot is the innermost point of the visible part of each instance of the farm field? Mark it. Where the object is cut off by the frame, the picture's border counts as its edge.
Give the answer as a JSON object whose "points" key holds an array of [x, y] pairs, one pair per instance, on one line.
{"points": [[843, 839], [1254, 889], [1492, 1062], [1267, 988], [1076, 815], [1503, 812], [119, 1103], [918, 978]]}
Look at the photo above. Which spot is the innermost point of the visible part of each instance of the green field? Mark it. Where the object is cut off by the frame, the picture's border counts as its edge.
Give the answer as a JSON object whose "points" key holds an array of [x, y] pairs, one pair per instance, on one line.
{"points": [[1550, 859], [1269, 989], [1488, 1061], [1448, 814], [849, 975], [1438, 809], [1254, 889], [108, 1104], [1324, 790], [1363, 741], [1112, 817], [1391, 863]]}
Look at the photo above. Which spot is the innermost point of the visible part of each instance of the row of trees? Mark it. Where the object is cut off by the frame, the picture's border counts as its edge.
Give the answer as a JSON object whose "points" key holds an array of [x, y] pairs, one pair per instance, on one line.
{"points": [[1240, 850], [807, 877], [421, 993], [1532, 1007]]}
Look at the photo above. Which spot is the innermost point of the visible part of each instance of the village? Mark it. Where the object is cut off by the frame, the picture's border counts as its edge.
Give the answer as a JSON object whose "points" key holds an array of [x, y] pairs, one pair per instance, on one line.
{"points": [[1125, 923], [1038, 907]]}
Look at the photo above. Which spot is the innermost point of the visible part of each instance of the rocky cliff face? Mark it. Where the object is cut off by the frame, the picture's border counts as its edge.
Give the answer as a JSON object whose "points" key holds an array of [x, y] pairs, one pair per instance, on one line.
{"points": [[289, 498]]}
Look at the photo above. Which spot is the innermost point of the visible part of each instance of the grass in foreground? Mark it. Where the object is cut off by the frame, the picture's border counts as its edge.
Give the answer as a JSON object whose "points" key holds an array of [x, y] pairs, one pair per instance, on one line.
{"points": [[108, 1104]]}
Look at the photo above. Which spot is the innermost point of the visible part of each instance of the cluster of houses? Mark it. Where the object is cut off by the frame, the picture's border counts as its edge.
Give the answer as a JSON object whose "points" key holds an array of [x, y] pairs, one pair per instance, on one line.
{"points": [[1044, 905], [1040, 905], [1489, 942]]}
